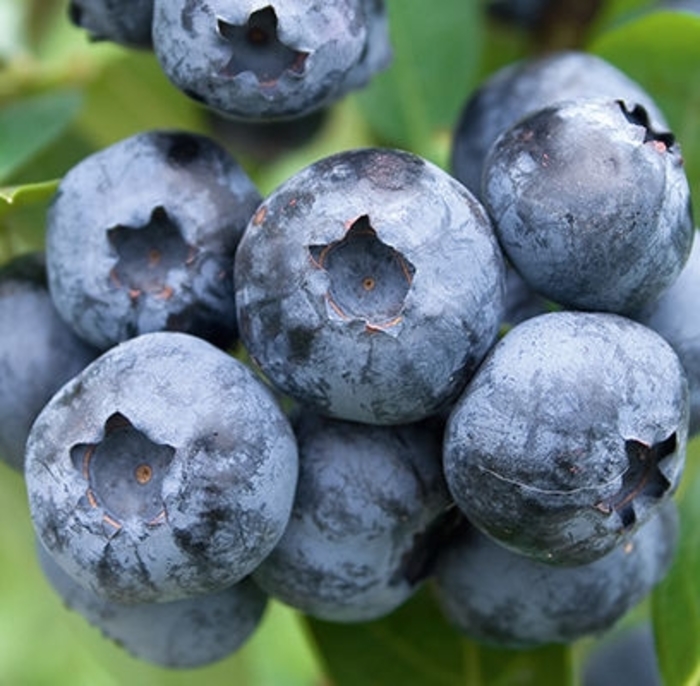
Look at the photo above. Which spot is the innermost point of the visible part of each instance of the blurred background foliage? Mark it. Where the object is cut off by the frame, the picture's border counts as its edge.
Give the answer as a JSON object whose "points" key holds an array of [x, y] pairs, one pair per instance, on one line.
{"points": [[63, 97]]}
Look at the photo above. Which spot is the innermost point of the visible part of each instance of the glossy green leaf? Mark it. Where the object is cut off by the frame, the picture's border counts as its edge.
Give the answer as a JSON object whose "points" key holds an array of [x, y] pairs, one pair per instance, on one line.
{"points": [[676, 601], [661, 50], [30, 125], [437, 48], [415, 646]]}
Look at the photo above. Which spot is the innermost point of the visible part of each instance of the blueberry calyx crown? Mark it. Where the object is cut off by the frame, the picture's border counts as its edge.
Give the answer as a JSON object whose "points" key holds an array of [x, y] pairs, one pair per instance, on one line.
{"points": [[124, 471], [641, 478], [258, 49], [146, 254], [369, 280], [662, 140]]}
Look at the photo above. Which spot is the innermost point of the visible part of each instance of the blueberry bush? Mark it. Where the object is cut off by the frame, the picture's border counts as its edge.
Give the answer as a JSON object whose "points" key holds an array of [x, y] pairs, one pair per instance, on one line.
{"points": [[588, 570]]}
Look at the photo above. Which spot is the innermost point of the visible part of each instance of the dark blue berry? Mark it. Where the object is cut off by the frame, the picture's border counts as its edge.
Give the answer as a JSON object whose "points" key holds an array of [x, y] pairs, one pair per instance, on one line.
{"points": [[165, 469], [570, 435], [499, 597], [369, 286], [591, 204], [279, 60], [141, 237], [360, 538]]}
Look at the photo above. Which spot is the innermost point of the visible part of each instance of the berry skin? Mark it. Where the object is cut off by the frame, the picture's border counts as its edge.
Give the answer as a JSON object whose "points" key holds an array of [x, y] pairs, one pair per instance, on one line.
{"points": [[498, 597], [369, 286], [359, 539], [280, 60], [127, 22], [570, 435], [38, 352], [591, 204], [165, 469], [674, 316], [182, 634], [157, 217], [524, 87]]}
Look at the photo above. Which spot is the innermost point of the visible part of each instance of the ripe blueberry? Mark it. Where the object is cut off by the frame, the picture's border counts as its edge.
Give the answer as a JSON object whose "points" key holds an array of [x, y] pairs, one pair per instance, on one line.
{"points": [[165, 469], [591, 204], [570, 435], [369, 286], [359, 537], [499, 597], [276, 60], [141, 237]]}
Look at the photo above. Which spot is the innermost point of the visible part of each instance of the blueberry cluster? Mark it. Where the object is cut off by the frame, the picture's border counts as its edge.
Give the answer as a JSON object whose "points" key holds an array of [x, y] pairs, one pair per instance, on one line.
{"points": [[380, 376]]}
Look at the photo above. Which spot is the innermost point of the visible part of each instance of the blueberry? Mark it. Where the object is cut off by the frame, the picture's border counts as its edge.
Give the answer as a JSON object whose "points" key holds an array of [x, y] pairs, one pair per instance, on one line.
{"points": [[369, 286], [523, 87], [570, 435], [360, 539], [674, 316], [498, 597], [591, 204], [165, 469], [182, 634], [157, 218], [127, 22], [38, 352], [282, 59]]}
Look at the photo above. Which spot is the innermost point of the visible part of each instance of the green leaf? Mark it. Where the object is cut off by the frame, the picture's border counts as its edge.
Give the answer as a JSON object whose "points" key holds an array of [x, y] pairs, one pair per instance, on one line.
{"points": [[661, 50], [437, 48], [134, 95], [676, 600], [30, 125], [415, 646]]}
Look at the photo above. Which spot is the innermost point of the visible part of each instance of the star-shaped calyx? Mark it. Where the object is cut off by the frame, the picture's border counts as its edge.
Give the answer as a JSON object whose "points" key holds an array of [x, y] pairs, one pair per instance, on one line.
{"points": [[258, 49], [146, 254], [124, 471], [643, 478], [368, 279]]}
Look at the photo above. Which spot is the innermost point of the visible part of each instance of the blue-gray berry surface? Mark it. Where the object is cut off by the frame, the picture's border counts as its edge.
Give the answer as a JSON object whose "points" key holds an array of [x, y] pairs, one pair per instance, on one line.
{"points": [[157, 218], [362, 531], [570, 435], [163, 470], [521, 88], [39, 352], [181, 634], [499, 597], [675, 316], [270, 60], [591, 204], [369, 286], [126, 22]]}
